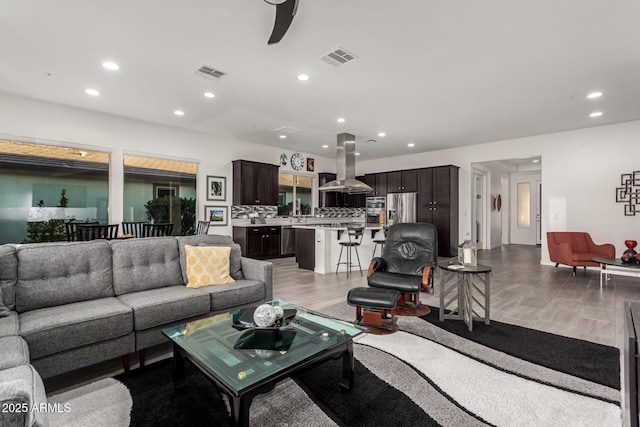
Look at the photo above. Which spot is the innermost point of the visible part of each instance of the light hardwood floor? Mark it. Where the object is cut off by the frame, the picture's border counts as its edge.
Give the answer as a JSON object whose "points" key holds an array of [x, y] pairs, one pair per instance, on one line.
{"points": [[523, 292]]}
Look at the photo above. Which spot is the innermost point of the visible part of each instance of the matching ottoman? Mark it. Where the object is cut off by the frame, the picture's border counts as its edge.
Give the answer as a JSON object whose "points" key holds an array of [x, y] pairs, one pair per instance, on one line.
{"points": [[374, 306]]}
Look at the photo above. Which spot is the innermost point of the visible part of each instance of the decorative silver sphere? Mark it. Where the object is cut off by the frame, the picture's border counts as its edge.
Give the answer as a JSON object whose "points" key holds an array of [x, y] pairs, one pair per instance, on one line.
{"points": [[279, 311], [264, 316]]}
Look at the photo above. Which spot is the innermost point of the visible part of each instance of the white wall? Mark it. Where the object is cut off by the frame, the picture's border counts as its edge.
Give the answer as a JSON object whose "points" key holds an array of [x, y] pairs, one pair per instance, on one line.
{"points": [[33, 121], [580, 171]]}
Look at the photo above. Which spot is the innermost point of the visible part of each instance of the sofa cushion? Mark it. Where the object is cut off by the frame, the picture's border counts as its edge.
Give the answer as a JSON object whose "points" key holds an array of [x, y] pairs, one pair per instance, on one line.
{"points": [[15, 352], [54, 329], [232, 295], [156, 307], [207, 265], [9, 324], [8, 275], [4, 311], [142, 264], [53, 274], [235, 266], [22, 385]]}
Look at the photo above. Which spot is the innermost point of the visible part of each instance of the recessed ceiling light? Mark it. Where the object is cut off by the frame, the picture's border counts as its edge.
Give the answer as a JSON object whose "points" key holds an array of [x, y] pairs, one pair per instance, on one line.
{"points": [[283, 136], [92, 92], [382, 134], [341, 120], [595, 114], [178, 113], [109, 65], [411, 144], [594, 95], [303, 77], [209, 95], [357, 154], [325, 146], [535, 161]]}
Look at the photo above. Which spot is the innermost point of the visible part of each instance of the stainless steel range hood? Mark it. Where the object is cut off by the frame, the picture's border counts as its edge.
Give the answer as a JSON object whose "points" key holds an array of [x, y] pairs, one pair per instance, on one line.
{"points": [[346, 181]]}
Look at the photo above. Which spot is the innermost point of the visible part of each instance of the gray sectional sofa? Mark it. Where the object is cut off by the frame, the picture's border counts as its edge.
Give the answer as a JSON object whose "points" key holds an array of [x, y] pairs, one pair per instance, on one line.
{"points": [[71, 305]]}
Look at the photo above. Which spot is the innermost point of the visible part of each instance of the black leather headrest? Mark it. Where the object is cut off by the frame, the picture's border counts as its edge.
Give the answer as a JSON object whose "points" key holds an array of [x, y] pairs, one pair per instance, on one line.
{"points": [[410, 247]]}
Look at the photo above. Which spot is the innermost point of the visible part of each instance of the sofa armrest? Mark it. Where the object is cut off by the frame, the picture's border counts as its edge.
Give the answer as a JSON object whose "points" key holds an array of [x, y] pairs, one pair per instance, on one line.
{"points": [[261, 271], [605, 248], [21, 389]]}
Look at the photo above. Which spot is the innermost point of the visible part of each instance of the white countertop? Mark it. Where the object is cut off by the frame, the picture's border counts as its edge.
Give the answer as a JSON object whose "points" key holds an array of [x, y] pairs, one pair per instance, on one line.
{"points": [[333, 226]]}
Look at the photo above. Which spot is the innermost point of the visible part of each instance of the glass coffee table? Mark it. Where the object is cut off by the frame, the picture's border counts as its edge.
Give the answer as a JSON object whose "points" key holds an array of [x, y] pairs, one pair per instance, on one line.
{"points": [[244, 361]]}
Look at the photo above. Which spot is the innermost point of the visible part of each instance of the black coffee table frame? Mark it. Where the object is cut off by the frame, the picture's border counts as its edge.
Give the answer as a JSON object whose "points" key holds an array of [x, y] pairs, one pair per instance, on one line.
{"points": [[241, 401]]}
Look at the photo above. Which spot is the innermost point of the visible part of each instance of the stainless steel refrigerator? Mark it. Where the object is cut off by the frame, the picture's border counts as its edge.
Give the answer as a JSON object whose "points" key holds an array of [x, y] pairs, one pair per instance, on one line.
{"points": [[401, 207]]}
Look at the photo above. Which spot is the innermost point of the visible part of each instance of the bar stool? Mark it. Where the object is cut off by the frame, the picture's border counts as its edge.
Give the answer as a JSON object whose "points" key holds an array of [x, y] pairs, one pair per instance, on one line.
{"points": [[354, 233], [379, 241]]}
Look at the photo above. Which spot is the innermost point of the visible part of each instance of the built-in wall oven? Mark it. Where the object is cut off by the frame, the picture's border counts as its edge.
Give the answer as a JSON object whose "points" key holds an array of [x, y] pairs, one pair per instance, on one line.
{"points": [[375, 206]]}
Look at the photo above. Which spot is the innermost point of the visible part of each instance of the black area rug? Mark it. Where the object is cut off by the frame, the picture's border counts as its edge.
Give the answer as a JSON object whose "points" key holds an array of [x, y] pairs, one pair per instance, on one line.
{"points": [[387, 390], [371, 402], [591, 361]]}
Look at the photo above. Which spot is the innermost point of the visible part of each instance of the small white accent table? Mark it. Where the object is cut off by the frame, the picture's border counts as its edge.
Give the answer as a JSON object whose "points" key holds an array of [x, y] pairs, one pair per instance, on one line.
{"points": [[616, 267]]}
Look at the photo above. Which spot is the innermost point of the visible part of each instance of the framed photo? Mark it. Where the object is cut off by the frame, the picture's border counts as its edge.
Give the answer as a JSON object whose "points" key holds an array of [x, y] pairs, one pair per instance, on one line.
{"points": [[217, 215], [310, 164], [216, 188]]}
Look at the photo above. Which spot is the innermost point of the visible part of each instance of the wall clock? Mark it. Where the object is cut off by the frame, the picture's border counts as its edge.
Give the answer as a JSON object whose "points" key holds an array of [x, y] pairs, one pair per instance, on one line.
{"points": [[297, 161]]}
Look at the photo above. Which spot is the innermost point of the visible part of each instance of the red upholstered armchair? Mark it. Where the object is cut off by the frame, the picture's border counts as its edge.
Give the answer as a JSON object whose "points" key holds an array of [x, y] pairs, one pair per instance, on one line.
{"points": [[576, 249]]}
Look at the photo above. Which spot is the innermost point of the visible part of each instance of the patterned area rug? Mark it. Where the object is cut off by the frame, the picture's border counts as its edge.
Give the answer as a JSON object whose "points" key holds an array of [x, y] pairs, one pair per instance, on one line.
{"points": [[422, 375]]}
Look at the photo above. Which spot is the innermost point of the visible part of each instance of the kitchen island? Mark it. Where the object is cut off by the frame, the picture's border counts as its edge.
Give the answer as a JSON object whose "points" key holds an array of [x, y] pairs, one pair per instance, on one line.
{"points": [[318, 247]]}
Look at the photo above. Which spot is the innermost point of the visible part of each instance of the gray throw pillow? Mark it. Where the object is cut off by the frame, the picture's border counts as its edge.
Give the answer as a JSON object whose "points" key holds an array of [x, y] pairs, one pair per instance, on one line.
{"points": [[4, 311]]}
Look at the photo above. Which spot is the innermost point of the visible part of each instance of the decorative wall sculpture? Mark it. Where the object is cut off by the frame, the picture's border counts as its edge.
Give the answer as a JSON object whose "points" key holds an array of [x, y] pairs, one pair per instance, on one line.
{"points": [[629, 192]]}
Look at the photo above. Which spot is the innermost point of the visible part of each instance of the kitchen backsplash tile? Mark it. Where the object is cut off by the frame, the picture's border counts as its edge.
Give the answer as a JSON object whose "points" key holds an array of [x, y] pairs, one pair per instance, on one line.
{"points": [[339, 212], [244, 211]]}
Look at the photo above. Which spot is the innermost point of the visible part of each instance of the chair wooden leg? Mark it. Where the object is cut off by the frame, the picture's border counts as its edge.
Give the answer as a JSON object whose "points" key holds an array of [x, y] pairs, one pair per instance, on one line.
{"points": [[125, 362], [142, 355]]}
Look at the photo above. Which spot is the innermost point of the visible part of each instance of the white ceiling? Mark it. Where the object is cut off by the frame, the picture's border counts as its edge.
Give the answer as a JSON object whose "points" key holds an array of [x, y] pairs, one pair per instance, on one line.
{"points": [[437, 73]]}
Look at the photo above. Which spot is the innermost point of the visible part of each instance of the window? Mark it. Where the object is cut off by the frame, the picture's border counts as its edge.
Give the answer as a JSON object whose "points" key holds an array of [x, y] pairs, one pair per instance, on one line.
{"points": [[160, 191], [294, 194], [42, 186], [524, 205]]}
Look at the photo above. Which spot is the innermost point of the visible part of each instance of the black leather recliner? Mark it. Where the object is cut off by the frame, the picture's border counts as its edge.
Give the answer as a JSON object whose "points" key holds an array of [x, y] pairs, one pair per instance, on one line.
{"points": [[407, 263]]}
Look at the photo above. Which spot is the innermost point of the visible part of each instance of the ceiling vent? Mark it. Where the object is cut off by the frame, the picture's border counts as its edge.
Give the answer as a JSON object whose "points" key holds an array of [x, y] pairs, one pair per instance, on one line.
{"points": [[286, 130], [209, 73], [338, 57]]}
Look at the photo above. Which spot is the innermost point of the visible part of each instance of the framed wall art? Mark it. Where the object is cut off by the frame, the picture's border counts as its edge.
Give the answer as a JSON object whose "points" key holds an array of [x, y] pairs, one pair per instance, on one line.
{"points": [[217, 215], [216, 188]]}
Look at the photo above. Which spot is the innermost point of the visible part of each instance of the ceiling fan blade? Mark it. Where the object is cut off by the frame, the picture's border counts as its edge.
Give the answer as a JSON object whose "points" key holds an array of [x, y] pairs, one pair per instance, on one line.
{"points": [[284, 16]]}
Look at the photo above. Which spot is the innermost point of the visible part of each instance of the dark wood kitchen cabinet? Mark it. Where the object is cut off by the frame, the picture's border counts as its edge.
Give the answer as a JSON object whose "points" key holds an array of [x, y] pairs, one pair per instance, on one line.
{"points": [[255, 183], [377, 181], [306, 248], [258, 242], [405, 181], [438, 205]]}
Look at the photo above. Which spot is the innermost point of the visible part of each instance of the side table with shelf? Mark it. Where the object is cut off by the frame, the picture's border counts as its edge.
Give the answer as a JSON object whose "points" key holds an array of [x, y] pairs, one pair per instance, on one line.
{"points": [[461, 284]]}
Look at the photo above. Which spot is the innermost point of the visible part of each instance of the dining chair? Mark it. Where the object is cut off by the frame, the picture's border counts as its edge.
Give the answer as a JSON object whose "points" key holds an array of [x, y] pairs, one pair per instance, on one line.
{"points": [[97, 231], [157, 230], [71, 230], [133, 227], [203, 227]]}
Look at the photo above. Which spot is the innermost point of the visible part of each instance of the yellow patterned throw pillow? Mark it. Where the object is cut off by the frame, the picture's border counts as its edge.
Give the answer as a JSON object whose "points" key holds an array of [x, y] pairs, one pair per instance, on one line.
{"points": [[207, 265]]}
